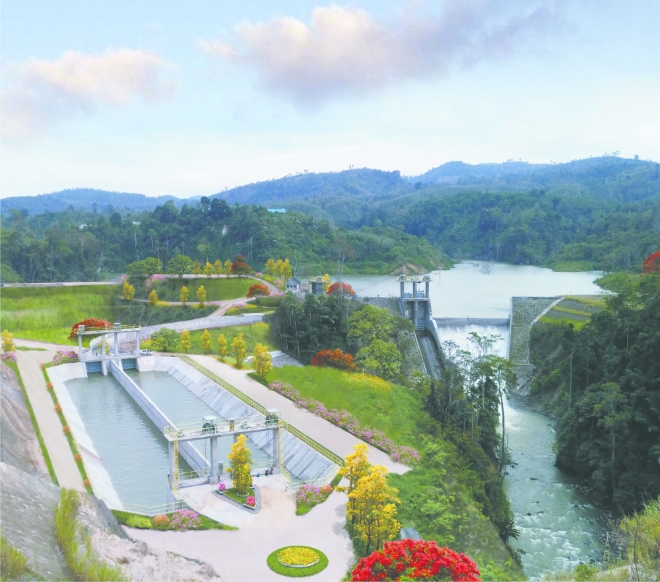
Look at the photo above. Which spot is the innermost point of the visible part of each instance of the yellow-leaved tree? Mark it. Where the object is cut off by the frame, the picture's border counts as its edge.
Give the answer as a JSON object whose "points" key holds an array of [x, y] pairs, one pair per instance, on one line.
{"points": [[222, 347], [185, 340], [153, 298], [201, 295], [197, 268], [326, 282], [373, 510], [8, 342], [217, 267], [128, 291], [262, 360], [270, 267], [287, 270], [206, 341], [239, 350], [241, 462], [355, 467], [278, 268], [183, 296], [208, 269], [227, 268]]}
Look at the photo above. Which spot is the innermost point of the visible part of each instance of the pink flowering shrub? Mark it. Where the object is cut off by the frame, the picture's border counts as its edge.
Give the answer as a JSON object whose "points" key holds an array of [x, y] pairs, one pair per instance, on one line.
{"points": [[185, 519], [9, 357], [345, 420], [222, 487], [65, 357], [123, 278], [153, 280], [251, 501], [312, 495]]}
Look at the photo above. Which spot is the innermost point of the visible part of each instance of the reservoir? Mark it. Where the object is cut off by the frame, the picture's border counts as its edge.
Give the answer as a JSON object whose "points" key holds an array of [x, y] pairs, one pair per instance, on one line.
{"points": [[558, 527]]}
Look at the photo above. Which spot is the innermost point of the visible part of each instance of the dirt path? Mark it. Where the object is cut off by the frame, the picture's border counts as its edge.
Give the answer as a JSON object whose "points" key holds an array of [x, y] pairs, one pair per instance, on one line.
{"points": [[60, 453]]}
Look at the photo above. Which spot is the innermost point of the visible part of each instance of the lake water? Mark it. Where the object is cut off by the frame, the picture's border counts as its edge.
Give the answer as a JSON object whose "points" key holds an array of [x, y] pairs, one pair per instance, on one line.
{"points": [[468, 291], [558, 527]]}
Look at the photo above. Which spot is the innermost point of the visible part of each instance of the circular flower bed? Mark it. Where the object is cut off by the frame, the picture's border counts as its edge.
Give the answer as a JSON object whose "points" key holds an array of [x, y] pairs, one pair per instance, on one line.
{"points": [[297, 557], [297, 561]]}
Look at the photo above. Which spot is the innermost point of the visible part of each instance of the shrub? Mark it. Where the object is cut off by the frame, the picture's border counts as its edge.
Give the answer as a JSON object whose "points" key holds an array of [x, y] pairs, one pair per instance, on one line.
{"points": [[258, 290], [87, 483], [415, 560], [160, 521], [78, 458], [251, 501], [65, 357], [13, 561], [58, 408], [222, 487], [9, 357], [66, 429], [334, 359], [185, 519], [312, 495]]}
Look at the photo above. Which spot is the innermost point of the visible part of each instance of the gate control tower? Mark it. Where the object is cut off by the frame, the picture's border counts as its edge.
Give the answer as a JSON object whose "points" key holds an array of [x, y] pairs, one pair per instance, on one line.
{"points": [[415, 306]]}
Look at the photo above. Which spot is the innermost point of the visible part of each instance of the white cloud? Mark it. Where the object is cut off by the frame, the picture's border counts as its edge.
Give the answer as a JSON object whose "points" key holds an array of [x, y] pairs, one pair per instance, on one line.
{"points": [[347, 51], [43, 92]]}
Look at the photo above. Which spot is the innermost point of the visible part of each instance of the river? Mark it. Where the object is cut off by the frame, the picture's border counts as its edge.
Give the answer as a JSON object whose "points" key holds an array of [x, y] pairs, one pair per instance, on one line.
{"points": [[558, 527]]}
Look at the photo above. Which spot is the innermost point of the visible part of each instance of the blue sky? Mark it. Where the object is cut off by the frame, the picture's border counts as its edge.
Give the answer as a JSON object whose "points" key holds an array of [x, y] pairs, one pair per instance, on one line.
{"points": [[189, 98]]}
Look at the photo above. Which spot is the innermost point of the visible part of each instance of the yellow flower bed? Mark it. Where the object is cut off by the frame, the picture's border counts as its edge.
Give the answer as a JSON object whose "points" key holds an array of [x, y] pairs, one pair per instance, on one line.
{"points": [[297, 556], [368, 381]]}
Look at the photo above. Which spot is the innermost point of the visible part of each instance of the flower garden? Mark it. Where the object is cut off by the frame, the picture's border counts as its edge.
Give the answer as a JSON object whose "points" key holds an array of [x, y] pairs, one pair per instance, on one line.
{"points": [[297, 561]]}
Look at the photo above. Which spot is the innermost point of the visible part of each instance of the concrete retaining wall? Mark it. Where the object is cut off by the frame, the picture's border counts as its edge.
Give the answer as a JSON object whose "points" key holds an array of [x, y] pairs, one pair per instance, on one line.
{"points": [[190, 454], [96, 471], [300, 460], [459, 321]]}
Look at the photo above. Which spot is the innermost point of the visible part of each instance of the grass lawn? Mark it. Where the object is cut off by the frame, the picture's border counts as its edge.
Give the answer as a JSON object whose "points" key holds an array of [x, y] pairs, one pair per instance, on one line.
{"points": [[48, 313], [252, 334], [232, 493], [217, 289], [387, 407]]}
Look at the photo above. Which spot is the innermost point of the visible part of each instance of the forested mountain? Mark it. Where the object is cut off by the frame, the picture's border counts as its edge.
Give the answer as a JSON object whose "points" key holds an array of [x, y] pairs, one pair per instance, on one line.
{"points": [[84, 198]]}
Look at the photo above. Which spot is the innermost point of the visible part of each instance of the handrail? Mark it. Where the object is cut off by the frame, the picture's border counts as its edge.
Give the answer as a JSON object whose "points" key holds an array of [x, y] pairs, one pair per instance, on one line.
{"points": [[318, 447], [152, 510]]}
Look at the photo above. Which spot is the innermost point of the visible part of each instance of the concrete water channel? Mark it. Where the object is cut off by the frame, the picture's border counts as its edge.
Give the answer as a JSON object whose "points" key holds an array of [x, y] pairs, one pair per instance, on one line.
{"points": [[123, 444]]}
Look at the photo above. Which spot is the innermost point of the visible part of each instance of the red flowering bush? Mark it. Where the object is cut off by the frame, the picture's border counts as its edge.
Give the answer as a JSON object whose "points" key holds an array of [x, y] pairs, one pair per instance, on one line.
{"points": [[78, 458], [258, 290], [87, 483], [66, 429], [49, 386], [652, 263], [239, 267], [58, 408], [160, 521], [90, 322], [346, 288], [334, 359], [416, 560], [251, 501]]}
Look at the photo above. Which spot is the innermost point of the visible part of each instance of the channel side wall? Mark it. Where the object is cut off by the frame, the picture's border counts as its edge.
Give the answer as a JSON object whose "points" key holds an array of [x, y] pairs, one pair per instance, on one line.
{"points": [[96, 471], [190, 454], [460, 321], [300, 460]]}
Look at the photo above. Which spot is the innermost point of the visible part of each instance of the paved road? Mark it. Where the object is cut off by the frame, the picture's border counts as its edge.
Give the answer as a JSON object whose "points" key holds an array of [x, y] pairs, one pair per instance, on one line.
{"points": [[58, 448]]}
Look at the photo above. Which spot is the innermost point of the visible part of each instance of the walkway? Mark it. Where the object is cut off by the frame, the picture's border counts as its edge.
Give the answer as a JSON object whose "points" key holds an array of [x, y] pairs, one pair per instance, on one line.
{"points": [[60, 453], [241, 555], [330, 436]]}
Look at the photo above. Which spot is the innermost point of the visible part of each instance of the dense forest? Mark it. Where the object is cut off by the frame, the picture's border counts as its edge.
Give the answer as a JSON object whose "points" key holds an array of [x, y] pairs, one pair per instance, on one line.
{"points": [[603, 384], [87, 246]]}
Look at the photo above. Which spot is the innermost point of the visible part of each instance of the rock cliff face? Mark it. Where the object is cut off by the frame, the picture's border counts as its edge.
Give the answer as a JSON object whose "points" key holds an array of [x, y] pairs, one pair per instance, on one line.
{"points": [[19, 446]]}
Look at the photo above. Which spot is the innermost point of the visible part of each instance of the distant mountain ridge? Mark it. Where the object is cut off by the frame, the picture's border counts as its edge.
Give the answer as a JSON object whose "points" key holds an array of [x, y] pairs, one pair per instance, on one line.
{"points": [[328, 194]]}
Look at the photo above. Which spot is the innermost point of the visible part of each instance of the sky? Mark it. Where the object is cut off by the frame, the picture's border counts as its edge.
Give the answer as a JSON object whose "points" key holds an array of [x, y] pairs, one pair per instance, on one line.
{"points": [[190, 98]]}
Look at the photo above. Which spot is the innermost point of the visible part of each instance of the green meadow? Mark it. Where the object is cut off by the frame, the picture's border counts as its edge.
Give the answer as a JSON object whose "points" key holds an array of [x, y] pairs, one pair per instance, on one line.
{"points": [[47, 313], [217, 289]]}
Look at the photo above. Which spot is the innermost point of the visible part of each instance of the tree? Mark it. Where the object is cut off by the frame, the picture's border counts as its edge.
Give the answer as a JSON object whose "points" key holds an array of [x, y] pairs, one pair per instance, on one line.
{"points": [[165, 339], [185, 340], [128, 291], [345, 288], [153, 298], [179, 265], [201, 295], [262, 360], [217, 267], [652, 263], [287, 270], [277, 268], [184, 295], [147, 267], [208, 269], [222, 347], [270, 267], [88, 323], [355, 467], [227, 268], [241, 461], [239, 350], [206, 341], [196, 268], [373, 509], [369, 324], [8, 342], [334, 359], [326, 282], [379, 358], [415, 560], [258, 290], [239, 267]]}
